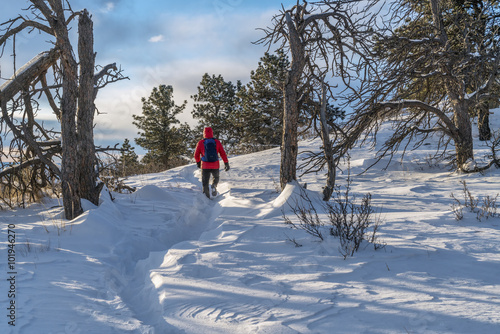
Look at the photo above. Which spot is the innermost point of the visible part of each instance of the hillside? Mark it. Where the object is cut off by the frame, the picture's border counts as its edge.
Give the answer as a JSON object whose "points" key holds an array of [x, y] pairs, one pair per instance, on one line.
{"points": [[165, 259]]}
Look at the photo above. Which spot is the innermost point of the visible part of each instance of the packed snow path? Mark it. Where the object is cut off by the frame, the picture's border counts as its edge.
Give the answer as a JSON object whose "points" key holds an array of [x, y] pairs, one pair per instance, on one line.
{"points": [[165, 259]]}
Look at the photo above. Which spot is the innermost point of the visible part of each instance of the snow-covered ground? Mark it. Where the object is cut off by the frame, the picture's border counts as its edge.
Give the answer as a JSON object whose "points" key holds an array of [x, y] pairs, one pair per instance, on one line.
{"points": [[165, 259]]}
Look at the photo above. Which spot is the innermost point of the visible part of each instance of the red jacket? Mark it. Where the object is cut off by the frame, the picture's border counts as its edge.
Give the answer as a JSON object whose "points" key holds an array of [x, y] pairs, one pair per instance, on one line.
{"points": [[200, 151]]}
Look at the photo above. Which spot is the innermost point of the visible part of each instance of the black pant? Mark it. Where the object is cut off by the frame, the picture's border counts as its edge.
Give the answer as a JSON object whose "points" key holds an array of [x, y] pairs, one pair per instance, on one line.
{"points": [[205, 179]]}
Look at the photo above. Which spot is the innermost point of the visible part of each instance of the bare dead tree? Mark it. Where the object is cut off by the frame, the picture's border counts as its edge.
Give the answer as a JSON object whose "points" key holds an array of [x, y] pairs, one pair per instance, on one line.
{"points": [[70, 92], [327, 148], [427, 80], [286, 32], [321, 37], [324, 121], [30, 153]]}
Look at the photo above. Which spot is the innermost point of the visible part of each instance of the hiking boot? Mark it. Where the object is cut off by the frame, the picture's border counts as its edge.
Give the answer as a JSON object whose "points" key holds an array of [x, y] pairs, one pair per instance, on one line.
{"points": [[214, 191]]}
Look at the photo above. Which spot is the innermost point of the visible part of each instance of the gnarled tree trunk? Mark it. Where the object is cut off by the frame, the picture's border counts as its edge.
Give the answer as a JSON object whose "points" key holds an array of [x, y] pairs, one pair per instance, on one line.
{"points": [[289, 146], [327, 149], [483, 121], [76, 88], [86, 108], [69, 66], [464, 147]]}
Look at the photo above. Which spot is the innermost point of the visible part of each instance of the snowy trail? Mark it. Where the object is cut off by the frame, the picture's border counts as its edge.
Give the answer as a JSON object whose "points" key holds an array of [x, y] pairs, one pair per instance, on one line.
{"points": [[154, 205], [240, 276], [189, 281]]}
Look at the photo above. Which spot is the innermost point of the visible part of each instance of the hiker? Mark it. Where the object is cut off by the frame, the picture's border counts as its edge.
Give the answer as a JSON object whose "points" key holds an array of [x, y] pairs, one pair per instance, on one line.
{"points": [[206, 156]]}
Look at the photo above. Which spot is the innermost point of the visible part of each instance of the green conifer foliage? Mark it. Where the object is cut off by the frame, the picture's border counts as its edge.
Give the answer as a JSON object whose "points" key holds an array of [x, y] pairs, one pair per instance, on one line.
{"points": [[128, 162], [218, 107], [161, 133], [262, 103]]}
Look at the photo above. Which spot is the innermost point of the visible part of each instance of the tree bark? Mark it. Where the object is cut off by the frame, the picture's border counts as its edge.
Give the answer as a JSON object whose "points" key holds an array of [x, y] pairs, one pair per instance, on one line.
{"points": [[483, 121], [289, 146], [327, 149], [289, 149], [69, 67], [86, 108], [464, 147]]}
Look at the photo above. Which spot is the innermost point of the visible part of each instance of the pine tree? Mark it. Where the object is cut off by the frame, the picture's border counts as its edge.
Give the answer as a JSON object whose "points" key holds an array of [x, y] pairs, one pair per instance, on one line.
{"points": [[161, 136], [262, 103], [439, 63], [218, 107], [128, 162], [458, 18]]}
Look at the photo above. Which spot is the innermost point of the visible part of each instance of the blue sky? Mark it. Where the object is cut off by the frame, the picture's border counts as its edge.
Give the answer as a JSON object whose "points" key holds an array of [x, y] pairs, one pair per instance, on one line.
{"points": [[160, 42]]}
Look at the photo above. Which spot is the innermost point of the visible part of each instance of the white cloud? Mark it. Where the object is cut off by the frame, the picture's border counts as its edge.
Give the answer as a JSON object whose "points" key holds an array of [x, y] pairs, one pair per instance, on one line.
{"points": [[109, 6], [156, 39], [118, 102], [192, 45]]}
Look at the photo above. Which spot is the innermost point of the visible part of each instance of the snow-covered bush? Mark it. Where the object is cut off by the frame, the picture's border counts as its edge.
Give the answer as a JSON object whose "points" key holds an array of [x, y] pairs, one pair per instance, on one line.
{"points": [[349, 221], [484, 209], [307, 215]]}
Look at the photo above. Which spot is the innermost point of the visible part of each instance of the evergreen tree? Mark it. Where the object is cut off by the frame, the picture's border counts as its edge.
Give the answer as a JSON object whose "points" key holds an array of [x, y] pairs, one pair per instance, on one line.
{"points": [[161, 134], [439, 63], [484, 40], [190, 137], [472, 36], [128, 162], [262, 103], [218, 107]]}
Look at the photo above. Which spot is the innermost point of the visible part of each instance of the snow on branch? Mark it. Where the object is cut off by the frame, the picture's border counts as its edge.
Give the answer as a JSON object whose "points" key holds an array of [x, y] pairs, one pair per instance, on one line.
{"points": [[27, 73], [403, 104]]}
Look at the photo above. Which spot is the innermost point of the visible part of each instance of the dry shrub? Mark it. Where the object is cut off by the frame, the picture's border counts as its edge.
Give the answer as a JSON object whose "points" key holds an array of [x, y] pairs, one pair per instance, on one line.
{"points": [[349, 221]]}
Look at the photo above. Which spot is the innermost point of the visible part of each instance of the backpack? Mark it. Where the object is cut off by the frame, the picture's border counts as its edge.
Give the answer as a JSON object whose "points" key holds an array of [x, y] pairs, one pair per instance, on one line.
{"points": [[210, 150]]}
